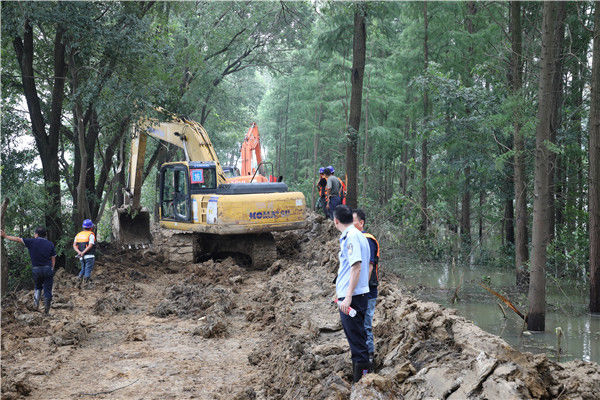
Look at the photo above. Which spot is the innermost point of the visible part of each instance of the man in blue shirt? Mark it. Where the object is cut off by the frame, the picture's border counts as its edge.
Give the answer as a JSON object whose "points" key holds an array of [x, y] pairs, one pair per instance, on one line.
{"points": [[352, 288], [359, 223], [43, 259]]}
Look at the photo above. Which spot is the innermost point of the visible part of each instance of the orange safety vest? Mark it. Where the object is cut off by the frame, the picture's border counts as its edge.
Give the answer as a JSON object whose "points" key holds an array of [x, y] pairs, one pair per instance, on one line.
{"points": [[83, 239], [343, 191], [376, 263]]}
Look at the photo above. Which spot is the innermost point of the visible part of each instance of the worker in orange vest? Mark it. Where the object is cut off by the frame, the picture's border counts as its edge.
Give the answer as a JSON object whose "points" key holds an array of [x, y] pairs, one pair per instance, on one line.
{"points": [[359, 223], [85, 246]]}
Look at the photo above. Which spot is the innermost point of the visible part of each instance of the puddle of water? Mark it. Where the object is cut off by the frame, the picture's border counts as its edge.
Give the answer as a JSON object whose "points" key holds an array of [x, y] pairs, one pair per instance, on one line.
{"points": [[435, 281]]}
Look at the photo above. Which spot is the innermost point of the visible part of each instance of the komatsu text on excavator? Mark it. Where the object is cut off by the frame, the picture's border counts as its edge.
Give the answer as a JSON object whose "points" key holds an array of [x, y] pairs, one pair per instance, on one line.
{"points": [[196, 201]]}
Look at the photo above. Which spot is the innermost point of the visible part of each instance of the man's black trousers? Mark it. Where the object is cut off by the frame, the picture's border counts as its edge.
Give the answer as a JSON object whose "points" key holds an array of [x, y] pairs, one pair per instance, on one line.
{"points": [[354, 328]]}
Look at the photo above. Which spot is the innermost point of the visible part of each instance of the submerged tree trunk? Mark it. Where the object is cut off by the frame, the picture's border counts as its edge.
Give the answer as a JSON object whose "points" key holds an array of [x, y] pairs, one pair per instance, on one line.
{"points": [[594, 176], [358, 71], [537, 286], [521, 251]]}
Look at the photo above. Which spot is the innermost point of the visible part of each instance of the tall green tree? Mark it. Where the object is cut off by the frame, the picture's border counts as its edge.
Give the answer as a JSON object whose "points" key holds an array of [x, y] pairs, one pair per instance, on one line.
{"points": [[357, 76], [541, 208]]}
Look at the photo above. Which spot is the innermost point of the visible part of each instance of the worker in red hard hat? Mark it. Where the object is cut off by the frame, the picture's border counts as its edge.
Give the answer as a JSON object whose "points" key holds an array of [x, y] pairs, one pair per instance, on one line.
{"points": [[85, 246]]}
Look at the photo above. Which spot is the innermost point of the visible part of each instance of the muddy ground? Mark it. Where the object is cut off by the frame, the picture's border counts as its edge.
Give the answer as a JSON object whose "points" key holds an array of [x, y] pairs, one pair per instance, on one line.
{"points": [[152, 329]]}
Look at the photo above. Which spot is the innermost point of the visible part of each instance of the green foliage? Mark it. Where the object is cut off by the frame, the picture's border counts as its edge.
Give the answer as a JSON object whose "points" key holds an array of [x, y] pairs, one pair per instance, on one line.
{"points": [[287, 67]]}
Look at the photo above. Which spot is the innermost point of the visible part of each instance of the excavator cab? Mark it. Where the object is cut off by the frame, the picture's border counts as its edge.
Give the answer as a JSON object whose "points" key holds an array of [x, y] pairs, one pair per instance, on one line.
{"points": [[231, 172], [178, 181]]}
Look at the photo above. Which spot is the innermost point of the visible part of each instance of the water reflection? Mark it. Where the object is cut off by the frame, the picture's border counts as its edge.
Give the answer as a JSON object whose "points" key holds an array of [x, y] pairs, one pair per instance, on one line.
{"points": [[458, 287]]}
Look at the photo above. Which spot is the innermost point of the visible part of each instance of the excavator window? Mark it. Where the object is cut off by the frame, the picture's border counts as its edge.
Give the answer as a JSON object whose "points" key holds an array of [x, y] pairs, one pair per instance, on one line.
{"points": [[175, 193], [202, 179]]}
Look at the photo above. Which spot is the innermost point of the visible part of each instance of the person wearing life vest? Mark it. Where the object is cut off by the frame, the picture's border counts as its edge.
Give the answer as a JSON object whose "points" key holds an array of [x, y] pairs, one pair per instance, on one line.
{"points": [[359, 223], [333, 191], [85, 246], [321, 184]]}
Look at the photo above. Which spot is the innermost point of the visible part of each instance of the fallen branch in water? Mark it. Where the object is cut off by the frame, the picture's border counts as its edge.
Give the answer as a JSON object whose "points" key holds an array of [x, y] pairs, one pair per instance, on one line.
{"points": [[502, 309], [505, 300]]}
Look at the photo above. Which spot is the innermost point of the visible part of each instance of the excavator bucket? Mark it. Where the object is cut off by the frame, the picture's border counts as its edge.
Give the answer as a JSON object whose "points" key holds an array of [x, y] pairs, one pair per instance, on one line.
{"points": [[131, 229]]}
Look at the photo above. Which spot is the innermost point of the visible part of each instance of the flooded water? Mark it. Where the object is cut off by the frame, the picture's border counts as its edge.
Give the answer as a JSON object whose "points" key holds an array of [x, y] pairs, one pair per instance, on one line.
{"points": [[457, 286]]}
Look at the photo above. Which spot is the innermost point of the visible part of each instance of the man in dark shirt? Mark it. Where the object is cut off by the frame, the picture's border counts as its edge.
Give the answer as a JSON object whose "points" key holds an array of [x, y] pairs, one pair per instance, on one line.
{"points": [[321, 184], [43, 259]]}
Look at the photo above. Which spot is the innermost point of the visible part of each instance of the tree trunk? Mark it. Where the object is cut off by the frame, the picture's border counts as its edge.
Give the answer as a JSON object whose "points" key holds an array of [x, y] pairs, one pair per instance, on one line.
{"points": [[404, 157], [318, 113], [366, 152], [465, 212], [4, 256], [509, 230], [46, 143], [557, 89], [358, 71], [537, 287], [465, 221], [521, 250], [594, 175], [481, 194], [120, 179], [424, 155], [285, 134]]}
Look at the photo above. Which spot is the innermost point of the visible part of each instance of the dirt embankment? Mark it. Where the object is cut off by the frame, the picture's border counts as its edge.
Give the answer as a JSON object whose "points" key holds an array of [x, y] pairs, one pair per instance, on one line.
{"points": [[152, 330]]}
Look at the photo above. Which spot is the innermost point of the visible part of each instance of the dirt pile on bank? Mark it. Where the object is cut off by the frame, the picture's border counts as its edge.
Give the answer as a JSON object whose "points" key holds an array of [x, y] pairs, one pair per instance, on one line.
{"points": [[154, 329], [423, 349]]}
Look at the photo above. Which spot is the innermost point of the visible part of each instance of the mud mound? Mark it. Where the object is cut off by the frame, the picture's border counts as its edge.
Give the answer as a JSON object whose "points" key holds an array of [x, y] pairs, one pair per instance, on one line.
{"points": [[211, 326], [111, 304], [187, 301], [424, 351], [69, 333], [274, 331], [288, 244], [15, 387], [220, 272]]}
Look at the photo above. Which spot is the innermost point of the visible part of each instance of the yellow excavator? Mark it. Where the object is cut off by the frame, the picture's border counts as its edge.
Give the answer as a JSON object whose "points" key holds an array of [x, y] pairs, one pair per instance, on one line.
{"points": [[209, 215]]}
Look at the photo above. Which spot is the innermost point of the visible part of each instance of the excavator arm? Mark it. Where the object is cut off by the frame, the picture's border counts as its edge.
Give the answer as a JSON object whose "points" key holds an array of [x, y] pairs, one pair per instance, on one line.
{"points": [[251, 143], [188, 135], [131, 224]]}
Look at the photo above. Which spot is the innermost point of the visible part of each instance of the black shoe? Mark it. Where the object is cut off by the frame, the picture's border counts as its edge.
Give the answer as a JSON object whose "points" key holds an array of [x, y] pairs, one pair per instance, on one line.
{"points": [[360, 369], [47, 307]]}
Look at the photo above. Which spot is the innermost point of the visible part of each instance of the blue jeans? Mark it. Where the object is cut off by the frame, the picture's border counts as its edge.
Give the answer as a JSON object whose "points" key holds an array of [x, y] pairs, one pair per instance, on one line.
{"points": [[43, 278], [369, 324], [334, 201], [87, 264]]}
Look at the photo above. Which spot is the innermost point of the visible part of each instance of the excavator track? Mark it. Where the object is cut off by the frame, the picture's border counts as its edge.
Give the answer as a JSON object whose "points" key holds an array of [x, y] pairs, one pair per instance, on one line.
{"points": [[192, 247], [263, 249]]}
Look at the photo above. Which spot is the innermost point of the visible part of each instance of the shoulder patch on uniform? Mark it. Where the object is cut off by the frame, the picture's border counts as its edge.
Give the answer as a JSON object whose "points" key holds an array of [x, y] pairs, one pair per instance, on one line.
{"points": [[350, 248]]}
